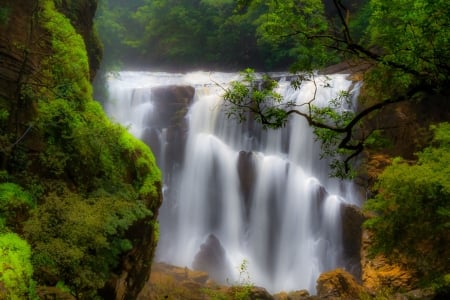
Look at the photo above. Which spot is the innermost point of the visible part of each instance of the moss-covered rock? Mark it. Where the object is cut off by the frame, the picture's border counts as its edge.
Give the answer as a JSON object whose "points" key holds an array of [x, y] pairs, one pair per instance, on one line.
{"points": [[97, 189]]}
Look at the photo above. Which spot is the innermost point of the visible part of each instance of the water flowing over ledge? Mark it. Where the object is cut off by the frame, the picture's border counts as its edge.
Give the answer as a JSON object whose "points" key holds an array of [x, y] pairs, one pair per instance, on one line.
{"points": [[233, 192]]}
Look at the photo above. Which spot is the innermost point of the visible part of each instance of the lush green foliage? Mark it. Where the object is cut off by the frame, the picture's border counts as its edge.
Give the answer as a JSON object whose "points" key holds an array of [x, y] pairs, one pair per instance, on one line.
{"points": [[289, 25], [412, 52], [417, 37], [15, 268], [78, 240], [66, 71], [14, 205], [411, 211]]}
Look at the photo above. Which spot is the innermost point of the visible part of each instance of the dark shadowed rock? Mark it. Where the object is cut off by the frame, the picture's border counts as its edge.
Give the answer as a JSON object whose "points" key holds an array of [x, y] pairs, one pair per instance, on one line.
{"points": [[352, 219], [212, 258], [170, 105], [247, 175], [168, 117]]}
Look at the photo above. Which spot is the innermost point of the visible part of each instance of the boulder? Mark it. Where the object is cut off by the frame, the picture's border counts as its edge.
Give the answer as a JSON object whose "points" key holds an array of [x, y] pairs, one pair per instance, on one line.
{"points": [[248, 293], [295, 295], [171, 104], [339, 284]]}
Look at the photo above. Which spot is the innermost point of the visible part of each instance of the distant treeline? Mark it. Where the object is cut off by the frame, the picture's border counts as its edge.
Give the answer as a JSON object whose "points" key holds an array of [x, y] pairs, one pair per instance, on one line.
{"points": [[177, 35]]}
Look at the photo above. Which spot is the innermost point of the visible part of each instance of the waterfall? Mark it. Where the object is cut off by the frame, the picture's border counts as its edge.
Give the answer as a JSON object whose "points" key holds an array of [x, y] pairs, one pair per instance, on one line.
{"points": [[233, 192]]}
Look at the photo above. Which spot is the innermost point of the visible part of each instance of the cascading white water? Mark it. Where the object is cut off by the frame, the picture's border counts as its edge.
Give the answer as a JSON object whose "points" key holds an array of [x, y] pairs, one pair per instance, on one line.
{"points": [[245, 194]]}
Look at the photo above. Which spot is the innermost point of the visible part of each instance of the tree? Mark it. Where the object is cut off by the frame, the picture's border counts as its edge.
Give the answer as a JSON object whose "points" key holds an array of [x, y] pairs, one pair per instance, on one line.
{"points": [[410, 214], [407, 50]]}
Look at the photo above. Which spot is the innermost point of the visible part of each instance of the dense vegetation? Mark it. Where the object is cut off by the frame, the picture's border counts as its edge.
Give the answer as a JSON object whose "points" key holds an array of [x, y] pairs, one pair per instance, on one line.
{"points": [[72, 183], [411, 211], [191, 34]]}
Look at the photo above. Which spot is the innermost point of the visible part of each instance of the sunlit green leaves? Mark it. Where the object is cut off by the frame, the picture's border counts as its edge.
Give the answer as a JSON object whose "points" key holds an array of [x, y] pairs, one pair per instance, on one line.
{"points": [[291, 25], [256, 96], [67, 69], [15, 268]]}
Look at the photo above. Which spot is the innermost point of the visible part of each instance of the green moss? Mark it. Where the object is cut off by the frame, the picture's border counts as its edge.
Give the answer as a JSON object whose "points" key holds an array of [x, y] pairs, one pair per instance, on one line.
{"points": [[147, 173], [67, 70]]}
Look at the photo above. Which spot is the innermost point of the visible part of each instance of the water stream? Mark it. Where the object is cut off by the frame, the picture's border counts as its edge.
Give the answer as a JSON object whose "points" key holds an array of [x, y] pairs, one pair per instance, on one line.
{"points": [[233, 192]]}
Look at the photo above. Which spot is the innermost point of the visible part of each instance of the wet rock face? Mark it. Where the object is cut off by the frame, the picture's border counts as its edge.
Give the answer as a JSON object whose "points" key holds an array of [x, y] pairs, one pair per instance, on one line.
{"points": [[171, 104], [352, 219], [212, 258], [247, 176], [15, 36]]}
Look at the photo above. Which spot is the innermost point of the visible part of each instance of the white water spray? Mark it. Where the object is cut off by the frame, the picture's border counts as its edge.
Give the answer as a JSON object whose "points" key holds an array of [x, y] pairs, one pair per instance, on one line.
{"points": [[260, 196]]}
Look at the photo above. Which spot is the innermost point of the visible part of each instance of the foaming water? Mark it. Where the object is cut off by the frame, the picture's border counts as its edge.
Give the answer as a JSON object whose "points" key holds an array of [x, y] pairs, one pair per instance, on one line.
{"points": [[264, 195]]}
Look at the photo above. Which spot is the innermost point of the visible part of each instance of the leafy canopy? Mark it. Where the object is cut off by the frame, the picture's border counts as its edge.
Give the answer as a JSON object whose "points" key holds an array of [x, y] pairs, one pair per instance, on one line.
{"points": [[408, 59]]}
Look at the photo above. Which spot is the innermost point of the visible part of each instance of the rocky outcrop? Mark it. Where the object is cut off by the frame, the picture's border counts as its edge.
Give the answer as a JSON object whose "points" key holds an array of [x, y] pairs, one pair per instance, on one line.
{"points": [[380, 273], [212, 259], [19, 48], [171, 104], [339, 284]]}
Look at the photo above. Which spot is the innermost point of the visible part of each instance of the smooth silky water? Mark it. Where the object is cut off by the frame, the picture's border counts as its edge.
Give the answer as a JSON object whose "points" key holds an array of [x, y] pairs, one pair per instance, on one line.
{"points": [[264, 195]]}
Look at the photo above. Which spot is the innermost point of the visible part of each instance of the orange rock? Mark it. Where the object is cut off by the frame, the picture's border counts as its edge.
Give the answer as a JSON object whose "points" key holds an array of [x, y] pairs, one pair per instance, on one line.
{"points": [[339, 284]]}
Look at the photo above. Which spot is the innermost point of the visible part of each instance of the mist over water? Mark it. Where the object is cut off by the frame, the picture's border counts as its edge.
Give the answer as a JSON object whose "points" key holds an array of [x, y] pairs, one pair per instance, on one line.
{"points": [[234, 192]]}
